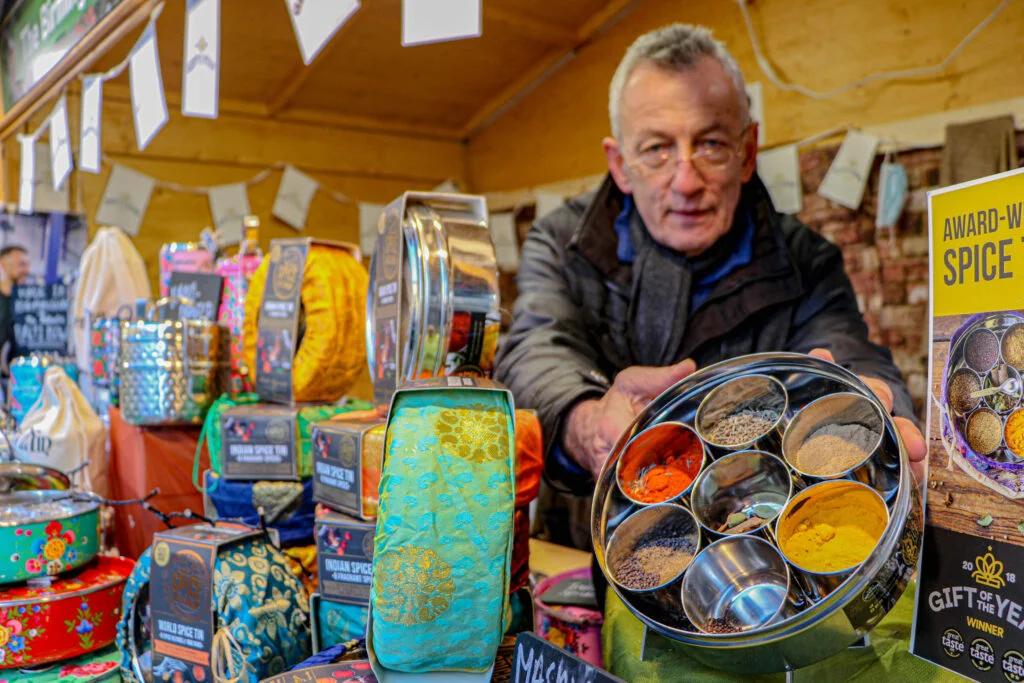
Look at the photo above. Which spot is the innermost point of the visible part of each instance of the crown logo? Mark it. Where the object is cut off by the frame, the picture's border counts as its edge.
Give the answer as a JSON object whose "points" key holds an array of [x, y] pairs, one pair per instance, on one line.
{"points": [[989, 570]]}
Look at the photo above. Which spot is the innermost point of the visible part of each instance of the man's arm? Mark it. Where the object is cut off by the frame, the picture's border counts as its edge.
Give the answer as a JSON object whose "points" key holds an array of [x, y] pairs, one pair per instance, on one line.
{"points": [[829, 318], [546, 358]]}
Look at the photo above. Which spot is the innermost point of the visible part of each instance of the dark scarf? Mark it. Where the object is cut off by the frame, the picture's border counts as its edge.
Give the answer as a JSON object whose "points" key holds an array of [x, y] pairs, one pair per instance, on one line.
{"points": [[663, 280]]}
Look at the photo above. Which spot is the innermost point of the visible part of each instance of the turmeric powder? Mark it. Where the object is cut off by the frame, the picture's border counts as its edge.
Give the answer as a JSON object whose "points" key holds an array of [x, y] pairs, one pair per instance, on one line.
{"points": [[835, 529]]}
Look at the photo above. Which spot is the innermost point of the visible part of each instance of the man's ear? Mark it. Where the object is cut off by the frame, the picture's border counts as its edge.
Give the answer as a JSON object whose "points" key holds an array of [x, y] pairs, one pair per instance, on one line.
{"points": [[617, 164], [750, 152]]}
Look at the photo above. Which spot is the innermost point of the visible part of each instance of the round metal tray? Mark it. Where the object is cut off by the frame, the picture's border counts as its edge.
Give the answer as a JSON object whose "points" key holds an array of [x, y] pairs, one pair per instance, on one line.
{"points": [[849, 611], [1001, 467]]}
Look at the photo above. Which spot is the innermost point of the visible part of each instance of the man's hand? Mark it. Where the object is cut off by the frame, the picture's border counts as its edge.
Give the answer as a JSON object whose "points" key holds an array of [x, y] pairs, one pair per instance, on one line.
{"points": [[917, 449], [594, 425]]}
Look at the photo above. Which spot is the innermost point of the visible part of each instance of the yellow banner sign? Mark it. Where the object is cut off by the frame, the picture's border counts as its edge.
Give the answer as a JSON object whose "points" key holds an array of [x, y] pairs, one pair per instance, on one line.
{"points": [[977, 232]]}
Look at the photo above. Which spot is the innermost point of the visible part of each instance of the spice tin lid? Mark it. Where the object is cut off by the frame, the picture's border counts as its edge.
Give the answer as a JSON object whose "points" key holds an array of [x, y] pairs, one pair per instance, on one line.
{"points": [[32, 507], [105, 572], [19, 476]]}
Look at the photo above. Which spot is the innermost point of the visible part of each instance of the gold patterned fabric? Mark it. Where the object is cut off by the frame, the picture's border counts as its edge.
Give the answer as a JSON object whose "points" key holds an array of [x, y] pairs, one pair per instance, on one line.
{"points": [[439, 594]]}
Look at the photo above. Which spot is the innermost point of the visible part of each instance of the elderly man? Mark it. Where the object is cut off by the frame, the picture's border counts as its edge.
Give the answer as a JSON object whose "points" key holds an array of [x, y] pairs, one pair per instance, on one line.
{"points": [[678, 261]]}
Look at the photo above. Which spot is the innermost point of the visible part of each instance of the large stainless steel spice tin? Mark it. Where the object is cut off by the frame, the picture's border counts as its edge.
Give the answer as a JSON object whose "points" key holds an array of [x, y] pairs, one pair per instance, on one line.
{"points": [[432, 307], [819, 630]]}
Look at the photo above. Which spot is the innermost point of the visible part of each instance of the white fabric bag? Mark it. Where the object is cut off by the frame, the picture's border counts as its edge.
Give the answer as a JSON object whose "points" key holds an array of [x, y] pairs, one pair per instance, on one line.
{"points": [[111, 274], [62, 431]]}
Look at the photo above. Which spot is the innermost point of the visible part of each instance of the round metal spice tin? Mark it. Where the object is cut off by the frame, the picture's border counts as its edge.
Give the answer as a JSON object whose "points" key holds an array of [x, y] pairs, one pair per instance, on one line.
{"points": [[819, 625], [44, 533], [68, 618], [432, 306]]}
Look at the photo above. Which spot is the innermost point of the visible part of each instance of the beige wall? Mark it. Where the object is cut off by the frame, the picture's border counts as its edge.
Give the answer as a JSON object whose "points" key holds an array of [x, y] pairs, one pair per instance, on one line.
{"points": [[554, 132]]}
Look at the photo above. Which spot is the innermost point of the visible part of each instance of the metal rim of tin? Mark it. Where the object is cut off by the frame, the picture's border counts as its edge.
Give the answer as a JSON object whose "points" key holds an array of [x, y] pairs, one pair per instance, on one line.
{"points": [[707, 473], [745, 445], [75, 507], [32, 477], [633, 443], [796, 420], [905, 502], [652, 509], [741, 538], [126, 569], [798, 500]]}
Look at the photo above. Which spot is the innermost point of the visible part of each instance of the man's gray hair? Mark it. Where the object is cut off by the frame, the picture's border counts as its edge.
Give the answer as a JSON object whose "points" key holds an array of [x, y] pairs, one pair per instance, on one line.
{"points": [[675, 47]]}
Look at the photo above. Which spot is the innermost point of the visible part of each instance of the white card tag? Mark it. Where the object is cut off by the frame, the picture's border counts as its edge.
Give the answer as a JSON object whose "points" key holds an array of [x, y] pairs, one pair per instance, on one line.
{"points": [[848, 175], [755, 93], [779, 169], [229, 205], [27, 179], [201, 77], [546, 202], [435, 21], [369, 218], [89, 156], [125, 199], [149, 107], [294, 195], [506, 244], [45, 198], [60, 144], [316, 21]]}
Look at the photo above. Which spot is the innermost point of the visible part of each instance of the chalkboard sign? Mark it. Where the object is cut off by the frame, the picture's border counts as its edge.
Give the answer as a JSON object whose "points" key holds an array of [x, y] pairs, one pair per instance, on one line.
{"points": [[41, 318], [202, 289], [535, 660]]}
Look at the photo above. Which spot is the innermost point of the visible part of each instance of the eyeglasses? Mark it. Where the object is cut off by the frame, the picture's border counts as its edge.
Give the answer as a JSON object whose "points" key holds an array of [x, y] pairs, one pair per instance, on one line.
{"points": [[710, 159]]}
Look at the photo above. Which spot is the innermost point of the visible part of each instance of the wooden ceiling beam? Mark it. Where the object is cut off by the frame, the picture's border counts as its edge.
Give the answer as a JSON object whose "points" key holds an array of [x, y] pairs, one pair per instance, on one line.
{"points": [[530, 27], [547, 65], [300, 74]]}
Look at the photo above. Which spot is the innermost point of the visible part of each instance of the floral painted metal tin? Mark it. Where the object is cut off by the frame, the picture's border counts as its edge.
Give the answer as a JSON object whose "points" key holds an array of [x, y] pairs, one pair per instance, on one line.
{"points": [[44, 533], [68, 618]]}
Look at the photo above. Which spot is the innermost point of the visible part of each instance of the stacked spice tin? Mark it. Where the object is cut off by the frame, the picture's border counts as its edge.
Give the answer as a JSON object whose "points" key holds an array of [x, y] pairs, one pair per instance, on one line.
{"points": [[981, 397], [748, 508], [58, 600]]}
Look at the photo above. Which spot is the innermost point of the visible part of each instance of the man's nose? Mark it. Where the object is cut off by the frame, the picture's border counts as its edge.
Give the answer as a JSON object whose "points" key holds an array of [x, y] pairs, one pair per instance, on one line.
{"points": [[686, 179]]}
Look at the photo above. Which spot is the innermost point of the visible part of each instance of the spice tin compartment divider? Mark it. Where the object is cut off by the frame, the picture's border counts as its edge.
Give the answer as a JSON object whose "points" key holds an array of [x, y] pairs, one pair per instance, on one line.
{"points": [[838, 620]]}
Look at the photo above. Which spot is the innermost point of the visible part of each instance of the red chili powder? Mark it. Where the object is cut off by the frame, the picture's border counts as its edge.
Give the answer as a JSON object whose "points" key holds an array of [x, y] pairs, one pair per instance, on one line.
{"points": [[680, 462]]}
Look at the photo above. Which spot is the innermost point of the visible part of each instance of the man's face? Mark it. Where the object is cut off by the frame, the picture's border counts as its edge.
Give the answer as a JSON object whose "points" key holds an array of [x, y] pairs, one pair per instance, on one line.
{"points": [[16, 265], [686, 205]]}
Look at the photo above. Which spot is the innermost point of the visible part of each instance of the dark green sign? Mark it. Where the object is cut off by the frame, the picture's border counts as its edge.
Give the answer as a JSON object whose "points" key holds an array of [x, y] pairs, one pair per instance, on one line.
{"points": [[37, 35]]}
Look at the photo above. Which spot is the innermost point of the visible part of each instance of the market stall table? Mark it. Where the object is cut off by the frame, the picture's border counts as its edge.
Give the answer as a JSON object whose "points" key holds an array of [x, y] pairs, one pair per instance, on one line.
{"points": [[144, 458]]}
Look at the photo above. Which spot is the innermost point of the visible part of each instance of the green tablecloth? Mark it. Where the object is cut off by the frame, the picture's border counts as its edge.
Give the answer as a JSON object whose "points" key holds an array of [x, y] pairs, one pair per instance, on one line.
{"points": [[886, 659]]}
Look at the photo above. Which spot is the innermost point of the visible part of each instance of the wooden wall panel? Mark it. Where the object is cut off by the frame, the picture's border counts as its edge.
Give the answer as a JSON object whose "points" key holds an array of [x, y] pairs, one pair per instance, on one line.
{"points": [[554, 132]]}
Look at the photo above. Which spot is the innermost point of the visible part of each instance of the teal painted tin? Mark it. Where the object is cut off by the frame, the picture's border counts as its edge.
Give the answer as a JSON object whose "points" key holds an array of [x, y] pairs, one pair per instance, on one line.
{"points": [[45, 533]]}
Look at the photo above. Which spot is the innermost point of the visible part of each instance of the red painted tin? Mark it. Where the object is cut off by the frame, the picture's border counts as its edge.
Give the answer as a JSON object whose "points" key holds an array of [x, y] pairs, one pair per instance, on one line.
{"points": [[74, 614]]}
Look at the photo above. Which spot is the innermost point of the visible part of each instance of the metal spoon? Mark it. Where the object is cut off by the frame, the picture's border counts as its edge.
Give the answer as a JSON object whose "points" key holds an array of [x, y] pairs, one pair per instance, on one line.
{"points": [[1010, 386]]}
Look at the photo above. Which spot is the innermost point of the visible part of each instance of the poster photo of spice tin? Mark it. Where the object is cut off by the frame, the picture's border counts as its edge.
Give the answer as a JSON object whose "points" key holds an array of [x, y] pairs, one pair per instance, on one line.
{"points": [[970, 594]]}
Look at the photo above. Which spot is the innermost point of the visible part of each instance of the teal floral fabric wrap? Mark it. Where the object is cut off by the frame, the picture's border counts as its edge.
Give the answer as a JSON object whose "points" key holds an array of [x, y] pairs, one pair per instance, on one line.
{"points": [[256, 598], [340, 623], [442, 550]]}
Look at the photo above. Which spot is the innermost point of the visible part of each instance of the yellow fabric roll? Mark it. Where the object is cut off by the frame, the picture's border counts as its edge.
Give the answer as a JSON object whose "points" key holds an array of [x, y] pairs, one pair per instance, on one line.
{"points": [[332, 351]]}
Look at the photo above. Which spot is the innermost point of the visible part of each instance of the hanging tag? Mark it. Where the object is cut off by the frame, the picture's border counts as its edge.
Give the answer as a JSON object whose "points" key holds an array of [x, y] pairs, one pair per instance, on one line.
{"points": [[435, 21], [60, 144], [755, 93], [316, 21], [779, 169], [848, 175], [229, 205], [294, 195], [201, 78], [149, 107], [27, 180], [125, 199], [92, 117], [892, 194]]}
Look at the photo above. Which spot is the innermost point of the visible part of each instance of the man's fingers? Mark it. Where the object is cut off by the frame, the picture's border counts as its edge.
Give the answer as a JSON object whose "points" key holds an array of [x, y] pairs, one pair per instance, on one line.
{"points": [[646, 382], [881, 390], [917, 449], [823, 354]]}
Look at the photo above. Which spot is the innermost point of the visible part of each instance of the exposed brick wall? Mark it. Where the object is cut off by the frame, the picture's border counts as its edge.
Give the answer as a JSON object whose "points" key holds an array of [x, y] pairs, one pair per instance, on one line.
{"points": [[888, 268]]}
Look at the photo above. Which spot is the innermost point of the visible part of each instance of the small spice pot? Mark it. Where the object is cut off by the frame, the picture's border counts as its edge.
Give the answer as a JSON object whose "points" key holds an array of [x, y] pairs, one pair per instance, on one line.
{"points": [[655, 582], [748, 413], [741, 493], [853, 417], [647, 455]]}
